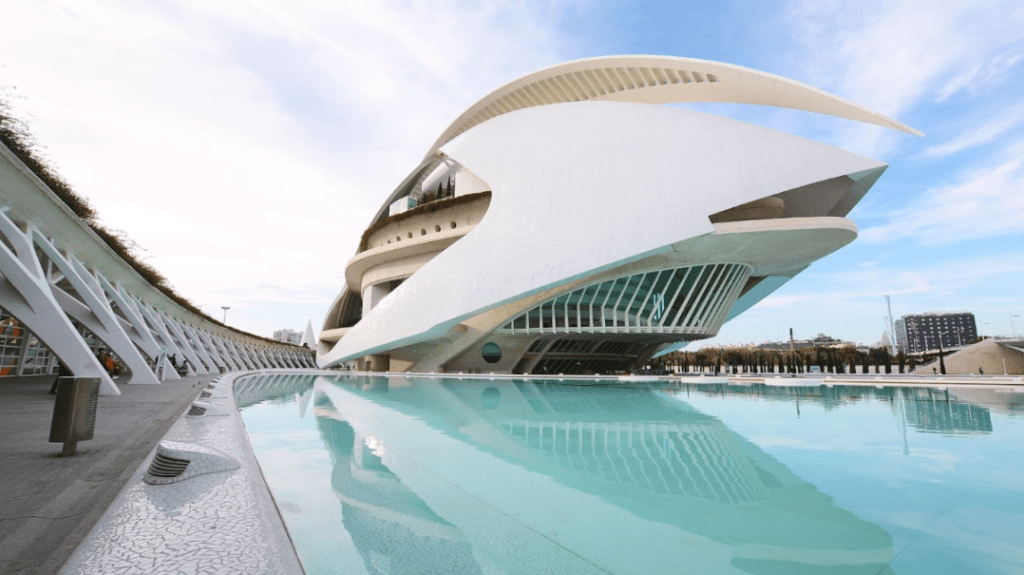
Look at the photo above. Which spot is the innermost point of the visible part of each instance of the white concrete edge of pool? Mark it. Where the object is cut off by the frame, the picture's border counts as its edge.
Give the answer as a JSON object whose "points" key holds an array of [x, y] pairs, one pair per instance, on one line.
{"points": [[222, 522], [227, 522]]}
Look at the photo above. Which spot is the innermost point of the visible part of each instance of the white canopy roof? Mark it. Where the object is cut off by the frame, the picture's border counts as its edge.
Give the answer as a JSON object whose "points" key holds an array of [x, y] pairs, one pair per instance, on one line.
{"points": [[658, 80]]}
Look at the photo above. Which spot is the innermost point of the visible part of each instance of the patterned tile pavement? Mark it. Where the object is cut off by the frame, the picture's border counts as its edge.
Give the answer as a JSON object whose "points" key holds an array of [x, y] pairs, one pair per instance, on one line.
{"points": [[220, 522]]}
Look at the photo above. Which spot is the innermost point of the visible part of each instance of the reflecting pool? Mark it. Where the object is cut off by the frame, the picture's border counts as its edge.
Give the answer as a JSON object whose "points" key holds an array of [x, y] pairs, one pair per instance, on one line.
{"points": [[397, 475]]}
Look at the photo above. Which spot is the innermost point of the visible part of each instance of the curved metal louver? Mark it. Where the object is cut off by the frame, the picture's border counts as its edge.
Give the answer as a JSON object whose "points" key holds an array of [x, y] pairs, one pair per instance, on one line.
{"points": [[164, 466], [578, 85], [175, 462], [691, 300]]}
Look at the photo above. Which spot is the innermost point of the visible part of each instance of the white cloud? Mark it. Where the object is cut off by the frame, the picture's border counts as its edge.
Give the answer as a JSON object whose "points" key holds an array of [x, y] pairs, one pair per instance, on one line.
{"points": [[983, 134], [987, 202], [863, 290], [245, 145], [892, 56]]}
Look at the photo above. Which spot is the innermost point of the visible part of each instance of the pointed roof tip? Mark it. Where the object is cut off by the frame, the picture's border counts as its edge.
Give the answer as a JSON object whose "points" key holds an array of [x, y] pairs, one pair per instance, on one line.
{"points": [[308, 336]]}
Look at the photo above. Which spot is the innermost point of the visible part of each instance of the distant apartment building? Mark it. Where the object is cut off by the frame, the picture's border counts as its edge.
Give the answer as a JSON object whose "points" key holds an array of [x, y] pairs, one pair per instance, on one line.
{"points": [[288, 336], [924, 332]]}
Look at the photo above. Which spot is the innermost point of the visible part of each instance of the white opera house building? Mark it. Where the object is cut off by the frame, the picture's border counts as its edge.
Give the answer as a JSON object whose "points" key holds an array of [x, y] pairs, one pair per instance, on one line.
{"points": [[570, 222]]}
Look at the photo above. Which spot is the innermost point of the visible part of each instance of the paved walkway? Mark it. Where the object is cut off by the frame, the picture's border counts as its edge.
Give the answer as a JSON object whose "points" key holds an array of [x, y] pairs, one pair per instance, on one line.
{"points": [[48, 503]]}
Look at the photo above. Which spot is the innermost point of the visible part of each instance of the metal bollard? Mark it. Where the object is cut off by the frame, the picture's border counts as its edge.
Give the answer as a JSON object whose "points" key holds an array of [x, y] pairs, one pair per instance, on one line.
{"points": [[74, 413]]}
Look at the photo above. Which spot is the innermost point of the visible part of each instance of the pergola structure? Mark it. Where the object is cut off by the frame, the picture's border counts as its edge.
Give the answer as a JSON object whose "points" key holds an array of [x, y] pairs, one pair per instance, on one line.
{"points": [[64, 293]]}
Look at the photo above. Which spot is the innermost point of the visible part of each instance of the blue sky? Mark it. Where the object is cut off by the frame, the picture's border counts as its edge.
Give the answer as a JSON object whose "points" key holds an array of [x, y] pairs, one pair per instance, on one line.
{"points": [[244, 145]]}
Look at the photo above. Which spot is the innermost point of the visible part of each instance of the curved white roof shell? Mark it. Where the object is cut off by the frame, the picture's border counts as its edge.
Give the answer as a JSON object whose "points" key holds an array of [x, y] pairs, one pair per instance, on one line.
{"points": [[658, 80]]}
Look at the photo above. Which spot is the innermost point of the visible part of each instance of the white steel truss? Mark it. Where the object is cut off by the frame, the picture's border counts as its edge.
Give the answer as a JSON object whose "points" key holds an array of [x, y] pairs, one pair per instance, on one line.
{"points": [[47, 292]]}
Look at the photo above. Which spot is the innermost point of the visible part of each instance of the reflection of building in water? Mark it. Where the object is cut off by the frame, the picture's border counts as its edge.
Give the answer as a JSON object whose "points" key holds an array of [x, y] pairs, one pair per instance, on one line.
{"points": [[656, 456], [926, 409], [391, 527], [270, 387], [575, 479], [946, 416]]}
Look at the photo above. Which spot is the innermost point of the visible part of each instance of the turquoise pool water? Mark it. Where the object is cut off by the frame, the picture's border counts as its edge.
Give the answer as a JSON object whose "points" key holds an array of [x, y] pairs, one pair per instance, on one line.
{"points": [[389, 475]]}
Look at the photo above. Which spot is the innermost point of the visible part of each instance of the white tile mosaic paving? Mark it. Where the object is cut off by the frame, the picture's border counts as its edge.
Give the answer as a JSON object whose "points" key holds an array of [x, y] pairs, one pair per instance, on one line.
{"points": [[219, 522]]}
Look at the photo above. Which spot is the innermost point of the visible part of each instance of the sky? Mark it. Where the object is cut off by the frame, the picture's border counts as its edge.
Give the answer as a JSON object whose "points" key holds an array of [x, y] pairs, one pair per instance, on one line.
{"points": [[244, 145]]}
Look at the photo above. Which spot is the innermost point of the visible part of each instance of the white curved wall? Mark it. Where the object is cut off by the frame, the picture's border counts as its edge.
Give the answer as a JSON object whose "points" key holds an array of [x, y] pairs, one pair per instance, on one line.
{"points": [[596, 184]]}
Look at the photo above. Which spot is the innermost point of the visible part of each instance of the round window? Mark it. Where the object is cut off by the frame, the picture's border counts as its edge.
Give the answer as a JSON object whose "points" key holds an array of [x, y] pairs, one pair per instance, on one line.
{"points": [[490, 397], [491, 352]]}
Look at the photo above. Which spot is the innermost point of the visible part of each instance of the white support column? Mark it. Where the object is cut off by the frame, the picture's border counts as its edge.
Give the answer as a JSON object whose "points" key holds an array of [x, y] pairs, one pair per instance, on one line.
{"points": [[254, 356], [261, 353], [200, 348], [186, 346], [93, 311], [271, 354], [214, 353], [229, 358], [261, 361], [26, 295], [265, 358], [247, 353], [240, 353], [140, 332], [166, 341]]}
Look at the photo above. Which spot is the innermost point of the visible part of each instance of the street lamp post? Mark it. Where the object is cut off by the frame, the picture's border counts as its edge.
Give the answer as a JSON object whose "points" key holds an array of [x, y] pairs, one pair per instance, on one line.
{"points": [[225, 308], [942, 364], [1012, 329]]}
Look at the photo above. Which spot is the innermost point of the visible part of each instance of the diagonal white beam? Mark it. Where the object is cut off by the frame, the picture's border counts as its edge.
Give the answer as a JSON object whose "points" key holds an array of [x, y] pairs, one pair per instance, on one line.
{"points": [[225, 353], [211, 349], [185, 345], [140, 333], [200, 348], [97, 314], [240, 354], [167, 344], [272, 355], [27, 296], [261, 353]]}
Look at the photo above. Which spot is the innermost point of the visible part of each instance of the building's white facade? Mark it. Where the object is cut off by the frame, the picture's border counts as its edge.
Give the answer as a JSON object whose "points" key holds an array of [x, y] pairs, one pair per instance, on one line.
{"points": [[565, 224]]}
